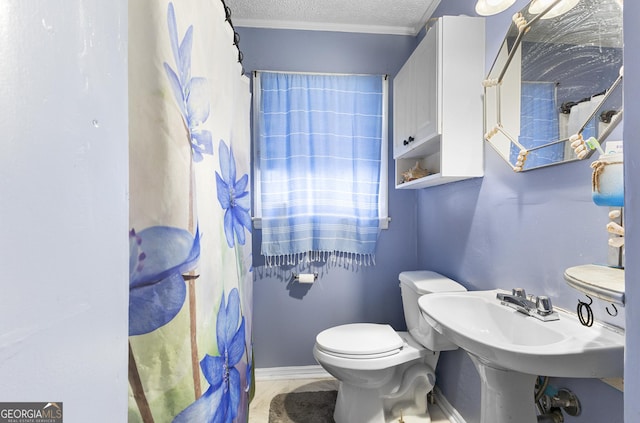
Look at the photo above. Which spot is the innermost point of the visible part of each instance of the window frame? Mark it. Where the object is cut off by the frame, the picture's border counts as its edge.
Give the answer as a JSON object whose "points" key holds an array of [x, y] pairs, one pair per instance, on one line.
{"points": [[383, 196]]}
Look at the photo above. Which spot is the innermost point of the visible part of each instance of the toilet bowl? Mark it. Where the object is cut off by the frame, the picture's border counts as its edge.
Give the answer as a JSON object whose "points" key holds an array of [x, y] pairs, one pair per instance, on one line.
{"points": [[386, 374]]}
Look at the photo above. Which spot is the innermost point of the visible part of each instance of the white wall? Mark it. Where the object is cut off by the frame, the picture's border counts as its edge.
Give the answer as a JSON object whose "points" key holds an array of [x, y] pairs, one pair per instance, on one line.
{"points": [[64, 206]]}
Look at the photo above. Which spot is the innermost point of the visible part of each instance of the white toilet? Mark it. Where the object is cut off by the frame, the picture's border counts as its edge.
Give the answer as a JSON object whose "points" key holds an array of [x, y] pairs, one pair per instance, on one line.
{"points": [[386, 374]]}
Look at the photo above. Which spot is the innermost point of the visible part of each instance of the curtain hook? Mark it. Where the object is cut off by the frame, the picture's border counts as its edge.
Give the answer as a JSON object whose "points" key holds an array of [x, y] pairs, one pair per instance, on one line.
{"points": [[227, 11], [614, 308]]}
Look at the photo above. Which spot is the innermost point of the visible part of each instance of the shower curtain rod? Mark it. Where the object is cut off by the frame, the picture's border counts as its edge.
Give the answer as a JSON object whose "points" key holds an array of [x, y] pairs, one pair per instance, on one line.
{"points": [[567, 105]]}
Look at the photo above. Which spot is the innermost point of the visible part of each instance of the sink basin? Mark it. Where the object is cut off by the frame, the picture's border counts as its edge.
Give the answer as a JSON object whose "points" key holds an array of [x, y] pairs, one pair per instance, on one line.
{"points": [[479, 324], [510, 349]]}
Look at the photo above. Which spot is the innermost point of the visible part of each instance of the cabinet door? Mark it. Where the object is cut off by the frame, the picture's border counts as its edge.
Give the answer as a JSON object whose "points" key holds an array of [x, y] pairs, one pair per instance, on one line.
{"points": [[404, 97], [427, 57], [440, 105]]}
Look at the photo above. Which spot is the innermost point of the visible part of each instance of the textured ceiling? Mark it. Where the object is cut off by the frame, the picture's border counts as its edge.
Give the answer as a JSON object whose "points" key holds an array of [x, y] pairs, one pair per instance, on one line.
{"points": [[403, 17]]}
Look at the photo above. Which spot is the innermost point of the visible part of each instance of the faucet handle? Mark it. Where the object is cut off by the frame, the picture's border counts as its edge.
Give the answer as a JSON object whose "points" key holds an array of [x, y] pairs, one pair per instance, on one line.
{"points": [[543, 305], [519, 292]]}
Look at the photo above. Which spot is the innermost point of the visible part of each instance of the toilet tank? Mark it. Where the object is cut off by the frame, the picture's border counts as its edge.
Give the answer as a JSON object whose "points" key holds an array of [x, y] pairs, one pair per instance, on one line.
{"points": [[415, 284]]}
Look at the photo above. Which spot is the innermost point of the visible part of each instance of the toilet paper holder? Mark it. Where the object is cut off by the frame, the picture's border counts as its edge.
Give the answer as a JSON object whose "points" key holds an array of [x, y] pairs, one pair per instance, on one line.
{"points": [[305, 277]]}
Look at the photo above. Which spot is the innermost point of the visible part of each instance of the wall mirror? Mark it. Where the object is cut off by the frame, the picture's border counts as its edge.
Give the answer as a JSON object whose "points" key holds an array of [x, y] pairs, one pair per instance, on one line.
{"points": [[554, 92]]}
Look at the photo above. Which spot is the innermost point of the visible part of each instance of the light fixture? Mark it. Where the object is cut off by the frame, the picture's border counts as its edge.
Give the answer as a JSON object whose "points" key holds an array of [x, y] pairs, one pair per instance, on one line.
{"points": [[538, 6], [491, 7]]}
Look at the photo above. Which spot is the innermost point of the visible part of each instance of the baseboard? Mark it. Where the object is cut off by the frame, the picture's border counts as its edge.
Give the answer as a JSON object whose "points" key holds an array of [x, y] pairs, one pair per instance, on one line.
{"points": [[449, 411], [294, 372]]}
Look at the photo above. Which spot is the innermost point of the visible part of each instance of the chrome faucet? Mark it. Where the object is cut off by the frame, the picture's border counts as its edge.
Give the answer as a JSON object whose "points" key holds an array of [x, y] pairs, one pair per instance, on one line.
{"points": [[539, 307]]}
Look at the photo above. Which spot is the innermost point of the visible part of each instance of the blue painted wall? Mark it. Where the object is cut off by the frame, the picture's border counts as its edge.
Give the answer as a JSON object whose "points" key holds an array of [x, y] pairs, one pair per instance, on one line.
{"points": [[287, 318], [503, 230], [515, 229], [632, 206]]}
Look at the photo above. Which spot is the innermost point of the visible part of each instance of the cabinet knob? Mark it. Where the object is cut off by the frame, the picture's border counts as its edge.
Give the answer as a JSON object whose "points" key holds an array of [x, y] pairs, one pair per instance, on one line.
{"points": [[405, 142], [411, 139]]}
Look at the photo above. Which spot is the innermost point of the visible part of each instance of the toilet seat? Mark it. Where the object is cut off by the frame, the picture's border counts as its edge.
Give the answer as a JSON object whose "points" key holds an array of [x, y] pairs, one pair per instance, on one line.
{"points": [[410, 350], [360, 341]]}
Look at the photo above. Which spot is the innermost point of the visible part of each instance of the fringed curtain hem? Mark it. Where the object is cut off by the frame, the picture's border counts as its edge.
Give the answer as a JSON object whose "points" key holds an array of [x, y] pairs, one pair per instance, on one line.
{"points": [[339, 258]]}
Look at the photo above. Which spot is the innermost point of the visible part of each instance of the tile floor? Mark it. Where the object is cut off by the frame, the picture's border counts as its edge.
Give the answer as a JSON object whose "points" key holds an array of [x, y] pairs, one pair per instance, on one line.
{"points": [[267, 389]]}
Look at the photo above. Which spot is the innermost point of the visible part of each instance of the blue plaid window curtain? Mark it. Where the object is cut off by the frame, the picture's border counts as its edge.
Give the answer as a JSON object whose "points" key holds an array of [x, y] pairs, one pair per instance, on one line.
{"points": [[320, 165]]}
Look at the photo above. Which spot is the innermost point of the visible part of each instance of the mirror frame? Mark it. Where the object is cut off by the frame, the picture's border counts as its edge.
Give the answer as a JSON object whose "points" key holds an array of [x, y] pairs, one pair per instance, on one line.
{"points": [[582, 148]]}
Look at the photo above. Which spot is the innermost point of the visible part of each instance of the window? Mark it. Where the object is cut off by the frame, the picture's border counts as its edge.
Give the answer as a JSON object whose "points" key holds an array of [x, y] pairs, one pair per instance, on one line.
{"points": [[320, 165]]}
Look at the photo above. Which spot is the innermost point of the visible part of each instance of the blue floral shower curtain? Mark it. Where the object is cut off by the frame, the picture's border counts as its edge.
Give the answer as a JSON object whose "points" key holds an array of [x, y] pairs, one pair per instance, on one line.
{"points": [[190, 243]]}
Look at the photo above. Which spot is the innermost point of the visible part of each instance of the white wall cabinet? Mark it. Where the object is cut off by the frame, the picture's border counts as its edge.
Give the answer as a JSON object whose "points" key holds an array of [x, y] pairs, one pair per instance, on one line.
{"points": [[437, 104]]}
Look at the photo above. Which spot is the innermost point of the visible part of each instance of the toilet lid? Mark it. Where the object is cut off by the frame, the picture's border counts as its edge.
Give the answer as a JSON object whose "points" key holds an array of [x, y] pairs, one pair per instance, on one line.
{"points": [[359, 339]]}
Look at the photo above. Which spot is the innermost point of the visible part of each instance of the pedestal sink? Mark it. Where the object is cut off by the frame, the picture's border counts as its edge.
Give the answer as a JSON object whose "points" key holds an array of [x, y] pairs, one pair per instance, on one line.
{"points": [[510, 349]]}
